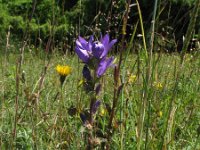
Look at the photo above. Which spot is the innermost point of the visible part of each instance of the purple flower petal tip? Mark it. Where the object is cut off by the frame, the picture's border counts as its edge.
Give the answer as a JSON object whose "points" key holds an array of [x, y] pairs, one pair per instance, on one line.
{"points": [[83, 117], [103, 66], [96, 106], [98, 89], [82, 54], [97, 49], [86, 73]]}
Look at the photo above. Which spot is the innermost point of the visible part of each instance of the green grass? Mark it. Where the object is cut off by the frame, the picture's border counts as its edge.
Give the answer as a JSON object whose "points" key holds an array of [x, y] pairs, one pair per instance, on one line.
{"points": [[174, 110]]}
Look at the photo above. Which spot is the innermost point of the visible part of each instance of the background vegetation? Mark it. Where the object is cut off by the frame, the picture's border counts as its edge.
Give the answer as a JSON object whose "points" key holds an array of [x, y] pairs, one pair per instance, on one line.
{"points": [[61, 21]]}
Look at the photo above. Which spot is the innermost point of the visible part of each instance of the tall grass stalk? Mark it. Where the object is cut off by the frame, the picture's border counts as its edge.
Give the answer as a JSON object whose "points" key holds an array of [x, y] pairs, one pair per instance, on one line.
{"points": [[7, 45], [150, 70], [16, 105], [18, 72], [123, 72], [143, 103], [190, 29], [170, 107], [117, 85], [123, 81], [142, 30], [4, 64]]}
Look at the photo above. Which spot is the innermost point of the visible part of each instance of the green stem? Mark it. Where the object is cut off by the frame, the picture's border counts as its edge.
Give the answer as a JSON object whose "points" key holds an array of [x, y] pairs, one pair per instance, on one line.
{"points": [[190, 29], [149, 71]]}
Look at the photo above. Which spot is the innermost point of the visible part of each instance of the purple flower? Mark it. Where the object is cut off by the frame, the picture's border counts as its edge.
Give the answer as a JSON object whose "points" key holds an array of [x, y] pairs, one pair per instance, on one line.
{"points": [[86, 73], [107, 44], [98, 49], [94, 54], [95, 106], [84, 48], [103, 66], [98, 88]]}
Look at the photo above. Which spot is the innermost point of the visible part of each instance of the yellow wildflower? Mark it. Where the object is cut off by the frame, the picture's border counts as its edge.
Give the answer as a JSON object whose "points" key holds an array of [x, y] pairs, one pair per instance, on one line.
{"points": [[132, 78], [158, 85], [160, 113], [102, 111], [63, 70]]}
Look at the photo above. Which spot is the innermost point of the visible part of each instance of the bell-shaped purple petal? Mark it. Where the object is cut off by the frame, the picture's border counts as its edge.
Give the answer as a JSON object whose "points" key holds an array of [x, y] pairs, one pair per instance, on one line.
{"points": [[103, 66], [98, 88], [107, 45], [84, 48], [90, 43], [95, 106], [97, 49], [82, 53], [86, 73], [83, 43], [105, 40]]}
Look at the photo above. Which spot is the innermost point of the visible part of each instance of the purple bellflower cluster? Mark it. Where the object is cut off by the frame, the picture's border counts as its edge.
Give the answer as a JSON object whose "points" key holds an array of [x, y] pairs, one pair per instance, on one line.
{"points": [[94, 53]]}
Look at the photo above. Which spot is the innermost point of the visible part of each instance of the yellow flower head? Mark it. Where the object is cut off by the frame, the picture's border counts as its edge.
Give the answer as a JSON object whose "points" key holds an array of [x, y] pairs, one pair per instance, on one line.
{"points": [[132, 78], [63, 70], [102, 111], [158, 85], [160, 113]]}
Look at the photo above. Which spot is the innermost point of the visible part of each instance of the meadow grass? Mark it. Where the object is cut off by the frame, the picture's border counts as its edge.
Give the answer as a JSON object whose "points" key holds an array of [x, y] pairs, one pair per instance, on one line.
{"points": [[148, 100], [48, 116]]}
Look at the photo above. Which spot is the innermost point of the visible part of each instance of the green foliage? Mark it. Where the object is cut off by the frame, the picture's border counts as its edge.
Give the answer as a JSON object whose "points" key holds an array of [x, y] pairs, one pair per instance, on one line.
{"points": [[19, 7], [16, 13], [65, 19], [4, 19], [185, 2]]}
